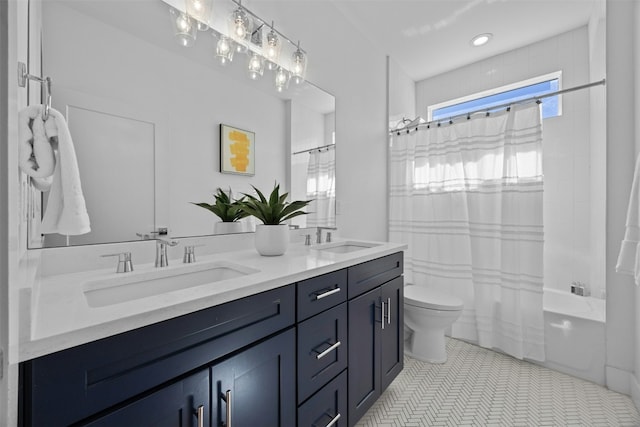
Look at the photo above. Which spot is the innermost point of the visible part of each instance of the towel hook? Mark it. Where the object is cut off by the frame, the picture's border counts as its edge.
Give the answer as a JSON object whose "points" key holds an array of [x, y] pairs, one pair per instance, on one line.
{"points": [[23, 76]]}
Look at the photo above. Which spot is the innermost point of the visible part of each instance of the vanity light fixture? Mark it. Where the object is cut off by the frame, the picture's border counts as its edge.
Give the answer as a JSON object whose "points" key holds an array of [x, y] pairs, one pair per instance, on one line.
{"points": [[272, 49], [184, 26], [224, 50], [242, 31], [282, 79], [200, 10], [298, 65], [256, 66], [481, 39]]}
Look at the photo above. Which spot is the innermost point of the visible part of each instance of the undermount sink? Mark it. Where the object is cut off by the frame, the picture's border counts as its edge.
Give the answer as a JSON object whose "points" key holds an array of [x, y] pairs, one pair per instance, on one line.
{"points": [[132, 286], [344, 247]]}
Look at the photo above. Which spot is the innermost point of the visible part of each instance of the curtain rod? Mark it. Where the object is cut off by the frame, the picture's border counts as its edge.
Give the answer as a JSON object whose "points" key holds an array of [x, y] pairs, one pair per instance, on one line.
{"points": [[497, 107], [314, 149]]}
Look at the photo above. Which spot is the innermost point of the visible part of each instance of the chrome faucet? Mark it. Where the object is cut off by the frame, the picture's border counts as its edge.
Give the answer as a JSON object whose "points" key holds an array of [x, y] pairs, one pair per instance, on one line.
{"points": [[162, 260], [319, 234]]}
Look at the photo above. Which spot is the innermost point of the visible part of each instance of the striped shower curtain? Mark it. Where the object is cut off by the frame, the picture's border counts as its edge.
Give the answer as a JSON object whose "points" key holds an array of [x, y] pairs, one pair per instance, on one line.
{"points": [[467, 199], [321, 188]]}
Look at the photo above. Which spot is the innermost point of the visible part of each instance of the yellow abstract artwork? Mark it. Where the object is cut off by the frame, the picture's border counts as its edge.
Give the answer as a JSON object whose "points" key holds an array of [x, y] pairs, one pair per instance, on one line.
{"points": [[236, 150]]}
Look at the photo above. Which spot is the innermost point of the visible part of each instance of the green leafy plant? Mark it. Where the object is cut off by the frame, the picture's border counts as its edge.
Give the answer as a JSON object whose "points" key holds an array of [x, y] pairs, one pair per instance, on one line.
{"points": [[227, 209], [274, 210]]}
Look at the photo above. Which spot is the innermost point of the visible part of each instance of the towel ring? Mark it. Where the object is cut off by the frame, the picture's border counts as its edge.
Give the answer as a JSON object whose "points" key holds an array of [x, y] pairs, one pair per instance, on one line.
{"points": [[23, 76]]}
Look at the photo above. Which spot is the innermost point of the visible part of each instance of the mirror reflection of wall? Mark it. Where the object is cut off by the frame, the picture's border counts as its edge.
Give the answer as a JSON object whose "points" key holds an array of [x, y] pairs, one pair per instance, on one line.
{"points": [[134, 73]]}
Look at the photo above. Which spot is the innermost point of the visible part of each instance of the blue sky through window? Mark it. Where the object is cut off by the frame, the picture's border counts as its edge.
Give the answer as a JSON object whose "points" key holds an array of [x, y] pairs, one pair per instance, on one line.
{"points": [[550, 106]]}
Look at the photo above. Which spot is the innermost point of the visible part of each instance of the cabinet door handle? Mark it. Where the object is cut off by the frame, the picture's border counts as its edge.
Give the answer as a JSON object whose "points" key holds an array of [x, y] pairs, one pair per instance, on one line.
{"points": [[382, 314], [327, 351], [200, 413], [333, 420], [326, 294], [388, 311], [227, 398]]}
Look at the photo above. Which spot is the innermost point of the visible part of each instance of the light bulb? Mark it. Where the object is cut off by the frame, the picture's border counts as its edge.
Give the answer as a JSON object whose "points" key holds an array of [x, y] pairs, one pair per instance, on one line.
{"points": [[224, 50], [298, 66], [184, 28], [256, 66], [282, 79]]}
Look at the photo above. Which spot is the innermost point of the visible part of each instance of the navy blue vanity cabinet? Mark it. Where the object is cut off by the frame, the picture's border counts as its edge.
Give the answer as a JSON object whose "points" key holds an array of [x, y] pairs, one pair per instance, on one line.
{"points": [[328, 407], [376, 328], [117, 375], [256, 387], [184, 403], [322, 347]]}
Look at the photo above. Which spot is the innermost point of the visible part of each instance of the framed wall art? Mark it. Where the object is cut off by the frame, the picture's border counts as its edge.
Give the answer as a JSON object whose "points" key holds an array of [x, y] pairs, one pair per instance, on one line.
{"points": [[237, 151]]}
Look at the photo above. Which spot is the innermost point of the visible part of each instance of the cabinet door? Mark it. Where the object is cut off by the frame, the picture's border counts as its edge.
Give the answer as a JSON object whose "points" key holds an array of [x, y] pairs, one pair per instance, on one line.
{"points": [[257, 385], [365, 325], [392, 336], [184, 403], [328, 407]]}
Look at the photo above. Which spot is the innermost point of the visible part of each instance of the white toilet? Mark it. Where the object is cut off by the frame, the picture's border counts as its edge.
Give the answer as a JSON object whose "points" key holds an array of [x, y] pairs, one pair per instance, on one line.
{"points": [[427, 313]]}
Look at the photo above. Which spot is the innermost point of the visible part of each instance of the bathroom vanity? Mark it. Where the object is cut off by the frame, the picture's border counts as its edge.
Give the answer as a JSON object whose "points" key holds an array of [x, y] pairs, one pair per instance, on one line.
{"points": [[314, 339]]}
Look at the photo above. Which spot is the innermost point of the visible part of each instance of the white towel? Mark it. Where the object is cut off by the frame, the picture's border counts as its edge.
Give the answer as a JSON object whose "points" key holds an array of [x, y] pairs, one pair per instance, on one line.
{"points": [[35, 154], [629, 257], [66, 209]]}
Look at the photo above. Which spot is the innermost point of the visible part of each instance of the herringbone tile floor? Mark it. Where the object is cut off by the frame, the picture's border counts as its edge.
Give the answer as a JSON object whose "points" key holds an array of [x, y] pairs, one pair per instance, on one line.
{"points": [[480, 387]]}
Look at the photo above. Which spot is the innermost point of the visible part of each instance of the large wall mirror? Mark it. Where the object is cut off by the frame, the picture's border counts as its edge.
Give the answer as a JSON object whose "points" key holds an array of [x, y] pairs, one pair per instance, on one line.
{"points": [[145, 115]]}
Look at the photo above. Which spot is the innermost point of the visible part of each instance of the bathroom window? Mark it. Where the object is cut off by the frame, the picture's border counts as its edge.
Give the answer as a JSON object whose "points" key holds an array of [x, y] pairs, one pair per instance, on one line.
{"points": [[551, 106]]}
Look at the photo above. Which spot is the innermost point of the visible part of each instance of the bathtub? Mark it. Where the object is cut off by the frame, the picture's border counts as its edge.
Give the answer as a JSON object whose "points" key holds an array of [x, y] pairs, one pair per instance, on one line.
{"points": [[574, 335]]}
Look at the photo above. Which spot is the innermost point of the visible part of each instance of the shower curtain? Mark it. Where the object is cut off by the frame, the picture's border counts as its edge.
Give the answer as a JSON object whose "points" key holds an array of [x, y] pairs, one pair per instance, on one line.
{"points": [[321, 188], [467, 199]]}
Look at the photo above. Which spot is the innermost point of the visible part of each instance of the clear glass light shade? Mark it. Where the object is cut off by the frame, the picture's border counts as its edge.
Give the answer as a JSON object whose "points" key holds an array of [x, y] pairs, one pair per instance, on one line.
{"points": [[282, 79], [224, 50], [298, 66], [272, 47], [239, 25], [185, 27], [200, 10], [256, 66]]}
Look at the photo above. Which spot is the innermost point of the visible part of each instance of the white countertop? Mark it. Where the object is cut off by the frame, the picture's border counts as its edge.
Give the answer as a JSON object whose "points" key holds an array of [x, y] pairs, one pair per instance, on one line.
{"points": [[55, 313]]}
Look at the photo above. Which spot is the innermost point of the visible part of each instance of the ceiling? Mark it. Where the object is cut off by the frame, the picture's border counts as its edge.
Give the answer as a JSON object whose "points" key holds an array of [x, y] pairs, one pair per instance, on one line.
{"points": [[429, 37]]}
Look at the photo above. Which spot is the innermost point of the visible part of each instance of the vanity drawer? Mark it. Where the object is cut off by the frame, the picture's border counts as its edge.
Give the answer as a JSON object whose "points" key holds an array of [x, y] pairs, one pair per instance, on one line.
{"points": [[92, 377], [368, 275], [322, 350], [320, 293], [327, 406]]}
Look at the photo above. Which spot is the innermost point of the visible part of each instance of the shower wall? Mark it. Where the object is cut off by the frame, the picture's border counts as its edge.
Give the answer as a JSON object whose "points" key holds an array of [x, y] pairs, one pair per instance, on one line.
{"points": [[570, 232]]}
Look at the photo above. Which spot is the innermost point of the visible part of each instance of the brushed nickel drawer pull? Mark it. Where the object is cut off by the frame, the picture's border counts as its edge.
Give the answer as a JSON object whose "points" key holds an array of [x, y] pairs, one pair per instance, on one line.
{"points": [[200, 413], [227, 399], [326, 294], [334, 420], [389, 311], [382, 314], [327, 351]]}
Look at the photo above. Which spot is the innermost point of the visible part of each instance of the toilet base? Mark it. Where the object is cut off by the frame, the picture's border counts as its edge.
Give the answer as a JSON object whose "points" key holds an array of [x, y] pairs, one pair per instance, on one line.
{"points": [[427, 346]]}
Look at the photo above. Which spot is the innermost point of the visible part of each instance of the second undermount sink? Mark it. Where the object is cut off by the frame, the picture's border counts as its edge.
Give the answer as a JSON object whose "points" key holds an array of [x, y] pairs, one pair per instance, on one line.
{"points": [[344, 247], [132, 286]]}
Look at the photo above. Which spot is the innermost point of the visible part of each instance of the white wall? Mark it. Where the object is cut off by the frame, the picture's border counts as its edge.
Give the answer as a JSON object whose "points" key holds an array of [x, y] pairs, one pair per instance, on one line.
{"points": [[344, 63], [402, 94], [621, 309], [567, 153], [188, 100]]}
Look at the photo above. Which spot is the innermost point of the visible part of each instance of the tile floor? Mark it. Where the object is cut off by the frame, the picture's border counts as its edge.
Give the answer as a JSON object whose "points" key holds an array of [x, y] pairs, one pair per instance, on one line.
{"points": [[479, 387]]}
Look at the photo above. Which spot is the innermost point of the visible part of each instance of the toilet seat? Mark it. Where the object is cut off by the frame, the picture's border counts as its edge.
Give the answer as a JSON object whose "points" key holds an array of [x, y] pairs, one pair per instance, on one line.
{"points": [[425, 297]]}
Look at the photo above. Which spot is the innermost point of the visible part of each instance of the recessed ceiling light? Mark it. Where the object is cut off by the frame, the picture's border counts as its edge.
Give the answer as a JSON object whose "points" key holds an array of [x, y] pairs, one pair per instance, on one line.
{"points": [[481, 39]]}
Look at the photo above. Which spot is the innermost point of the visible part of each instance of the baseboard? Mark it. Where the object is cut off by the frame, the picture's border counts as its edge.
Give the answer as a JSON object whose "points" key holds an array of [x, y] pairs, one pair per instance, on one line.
{"points": [[635, 391], [619, 380]]}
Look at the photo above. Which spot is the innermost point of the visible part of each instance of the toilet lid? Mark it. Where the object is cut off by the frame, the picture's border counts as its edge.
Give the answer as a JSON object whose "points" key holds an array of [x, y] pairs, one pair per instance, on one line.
{"points": [[425, 297]]}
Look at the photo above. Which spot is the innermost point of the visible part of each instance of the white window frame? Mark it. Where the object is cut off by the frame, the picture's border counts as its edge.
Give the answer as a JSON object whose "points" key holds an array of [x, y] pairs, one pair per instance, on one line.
{"points": [[528, 82]]}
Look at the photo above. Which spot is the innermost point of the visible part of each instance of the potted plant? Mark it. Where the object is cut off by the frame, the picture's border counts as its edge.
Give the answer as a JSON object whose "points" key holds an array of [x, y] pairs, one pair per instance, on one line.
{"points": [[228, 210], [272, 236]]}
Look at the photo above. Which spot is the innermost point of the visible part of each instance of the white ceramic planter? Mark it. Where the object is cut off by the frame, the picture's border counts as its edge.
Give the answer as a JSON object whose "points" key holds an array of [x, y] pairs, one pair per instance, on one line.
{"points": [[272, 240], [228, 227]]}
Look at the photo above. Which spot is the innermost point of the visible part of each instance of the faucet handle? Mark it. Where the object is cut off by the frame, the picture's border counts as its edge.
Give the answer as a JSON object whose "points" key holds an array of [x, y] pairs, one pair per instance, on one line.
{"points": [[125, 265], [190, 254], [170, 243]]}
